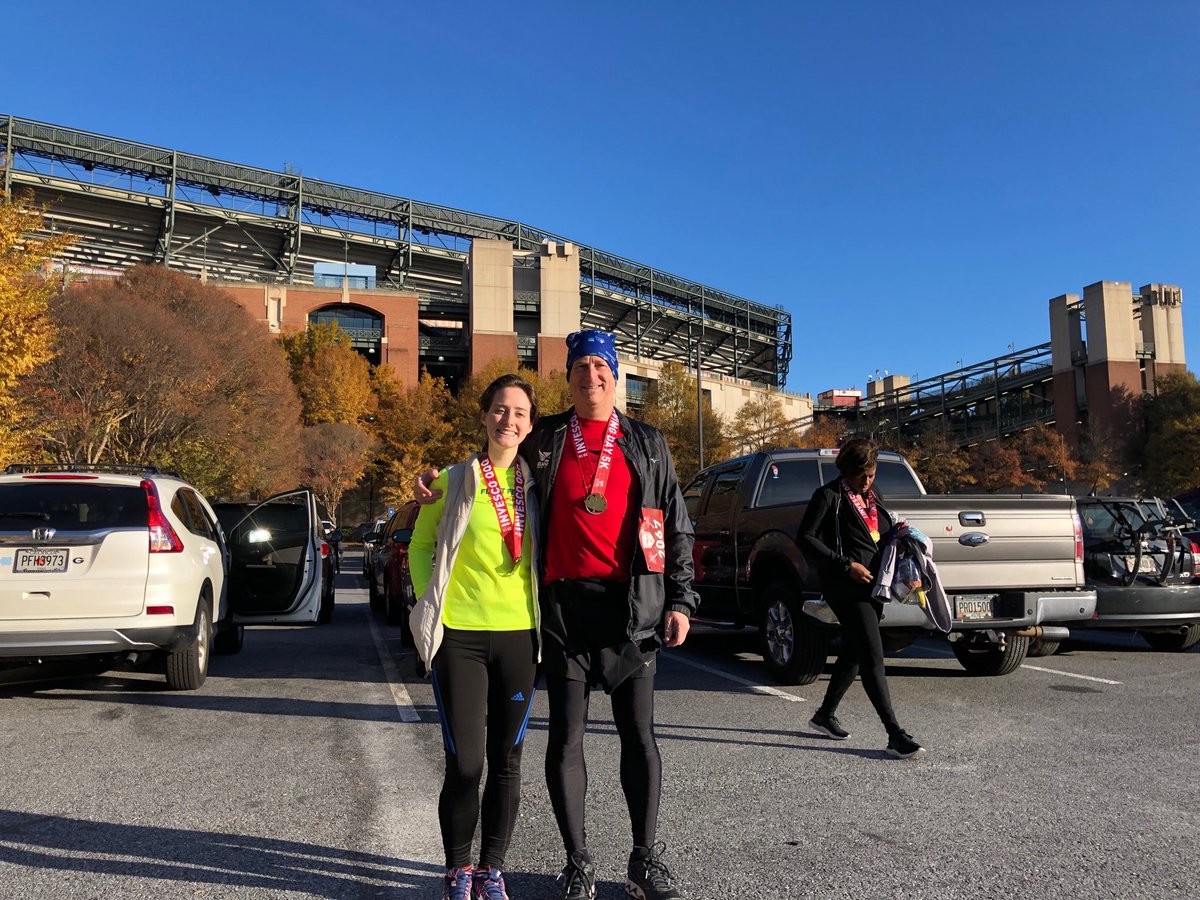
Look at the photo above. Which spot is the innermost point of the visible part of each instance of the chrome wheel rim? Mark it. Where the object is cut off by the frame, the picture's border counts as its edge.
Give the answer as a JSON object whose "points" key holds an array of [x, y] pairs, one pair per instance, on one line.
{"points": [[781, 639]]}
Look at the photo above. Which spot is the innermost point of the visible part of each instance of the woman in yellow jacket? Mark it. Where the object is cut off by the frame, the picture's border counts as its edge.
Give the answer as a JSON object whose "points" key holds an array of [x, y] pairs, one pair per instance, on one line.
{"points": [[476, 628]]}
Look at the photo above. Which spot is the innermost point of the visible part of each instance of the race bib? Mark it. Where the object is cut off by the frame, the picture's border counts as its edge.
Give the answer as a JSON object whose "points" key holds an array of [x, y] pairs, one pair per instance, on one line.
{"points": [[652, 538]]}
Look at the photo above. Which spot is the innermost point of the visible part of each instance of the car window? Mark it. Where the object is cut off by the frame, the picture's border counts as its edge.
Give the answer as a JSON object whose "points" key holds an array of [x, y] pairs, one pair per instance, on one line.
{"points": [[893, 479], [1109, 522], [71, 506], [199, 518], [724, 492], [789, 481], [692, 494], [1191, 506]]}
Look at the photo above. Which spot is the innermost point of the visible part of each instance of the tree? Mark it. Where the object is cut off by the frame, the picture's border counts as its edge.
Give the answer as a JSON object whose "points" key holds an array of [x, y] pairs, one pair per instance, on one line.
{"points": [[824, 432], [761, 424], [413, 430], [995, 467], [671, 407], [1171, 455], [333, 459], [1045, 459], [157, 368], [941, 463], [331, 377], [26, 329]]}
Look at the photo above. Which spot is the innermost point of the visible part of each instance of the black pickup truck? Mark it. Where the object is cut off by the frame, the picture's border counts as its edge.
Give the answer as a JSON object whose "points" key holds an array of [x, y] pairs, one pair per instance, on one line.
{"points": [[1011, 564]]}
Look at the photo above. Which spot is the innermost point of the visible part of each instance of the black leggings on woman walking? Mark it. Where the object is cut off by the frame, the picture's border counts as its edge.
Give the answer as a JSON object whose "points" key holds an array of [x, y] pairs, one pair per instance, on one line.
{"points": [[641, 764], [482, 678], [861, 654]]}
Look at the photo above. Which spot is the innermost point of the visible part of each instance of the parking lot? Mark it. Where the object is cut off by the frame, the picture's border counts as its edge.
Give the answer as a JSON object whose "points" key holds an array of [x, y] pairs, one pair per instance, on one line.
{"points": [[308, 766]]}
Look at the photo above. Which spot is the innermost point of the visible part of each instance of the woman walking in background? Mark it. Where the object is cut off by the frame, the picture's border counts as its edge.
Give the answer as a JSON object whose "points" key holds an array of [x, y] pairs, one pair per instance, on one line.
{"points": [[476, 628], [840, 536]]}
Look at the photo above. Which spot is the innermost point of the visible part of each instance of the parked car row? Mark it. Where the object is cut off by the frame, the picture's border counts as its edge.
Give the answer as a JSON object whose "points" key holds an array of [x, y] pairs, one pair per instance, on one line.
{"points": [[132, 564]]}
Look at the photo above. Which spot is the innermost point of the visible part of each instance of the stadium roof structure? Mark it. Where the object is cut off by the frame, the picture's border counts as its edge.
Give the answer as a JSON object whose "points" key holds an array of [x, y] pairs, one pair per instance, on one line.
{"points": [[136, 203]]}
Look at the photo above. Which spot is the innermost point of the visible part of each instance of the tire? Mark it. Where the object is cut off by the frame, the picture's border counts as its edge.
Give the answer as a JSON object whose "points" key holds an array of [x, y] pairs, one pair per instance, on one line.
{"points": [[986, 658], [325, 611], [228, 639], [187, 664], [1174, 642], [793, 646], [1042, 647], [393, 610]]}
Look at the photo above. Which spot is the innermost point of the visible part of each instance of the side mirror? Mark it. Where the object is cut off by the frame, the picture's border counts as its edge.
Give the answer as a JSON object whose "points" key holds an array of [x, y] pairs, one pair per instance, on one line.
{"points": [[371, 537], [334, 537]]}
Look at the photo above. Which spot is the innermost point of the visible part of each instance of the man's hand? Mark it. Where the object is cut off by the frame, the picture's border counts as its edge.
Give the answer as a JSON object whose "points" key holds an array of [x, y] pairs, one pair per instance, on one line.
{"points": [[675, 628], [421, 492], [860, 573]]}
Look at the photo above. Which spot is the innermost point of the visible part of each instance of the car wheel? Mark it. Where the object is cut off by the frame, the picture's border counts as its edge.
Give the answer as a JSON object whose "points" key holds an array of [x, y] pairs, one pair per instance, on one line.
{"points": [[325, 613], [794, 648], [983, 657], [187, 664], [1043, 647], [393, 607], [229, 639], [1182, 641]]}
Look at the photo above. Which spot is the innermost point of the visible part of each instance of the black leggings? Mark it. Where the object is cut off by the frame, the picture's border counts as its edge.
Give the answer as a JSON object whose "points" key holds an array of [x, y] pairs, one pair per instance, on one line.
{"points": [[641, 764], [862, 653], [482, 678]]}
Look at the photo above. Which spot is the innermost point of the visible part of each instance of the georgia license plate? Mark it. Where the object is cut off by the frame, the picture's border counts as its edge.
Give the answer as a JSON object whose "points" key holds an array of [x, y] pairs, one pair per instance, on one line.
{"points": [[974, 606], [40, 561], [1147, 564]]}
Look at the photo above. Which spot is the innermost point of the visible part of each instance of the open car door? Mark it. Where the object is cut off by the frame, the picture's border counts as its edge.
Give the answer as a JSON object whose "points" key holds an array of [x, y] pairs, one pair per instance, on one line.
{"points": [[275, 566]]}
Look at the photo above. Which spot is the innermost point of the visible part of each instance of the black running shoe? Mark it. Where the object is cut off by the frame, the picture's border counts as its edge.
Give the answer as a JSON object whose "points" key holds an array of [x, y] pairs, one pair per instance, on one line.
{"points": [[648, 878], [829, 726], [578, 878], [902, 746]]}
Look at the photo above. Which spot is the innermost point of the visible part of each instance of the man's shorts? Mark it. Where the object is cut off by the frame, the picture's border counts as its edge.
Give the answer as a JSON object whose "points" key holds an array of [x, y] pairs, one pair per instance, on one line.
{"points": [[585, 634]]}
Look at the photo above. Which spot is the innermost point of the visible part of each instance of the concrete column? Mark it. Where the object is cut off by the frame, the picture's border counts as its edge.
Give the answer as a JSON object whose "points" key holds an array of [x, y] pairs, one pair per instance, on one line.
{"points": [[490, 286], [559, 287], [1113, 374]]}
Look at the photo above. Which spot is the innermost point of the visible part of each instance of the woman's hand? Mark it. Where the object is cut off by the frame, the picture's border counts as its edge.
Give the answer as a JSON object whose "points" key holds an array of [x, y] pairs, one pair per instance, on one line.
{"points": [[860, 573], [421, 492]]}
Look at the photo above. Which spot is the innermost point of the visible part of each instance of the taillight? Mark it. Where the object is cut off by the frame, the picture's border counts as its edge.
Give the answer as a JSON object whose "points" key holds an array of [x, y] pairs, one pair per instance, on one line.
{"points": [[324, 549], [163, 538], [1078, 539], [1195, 550], [160, 610]]}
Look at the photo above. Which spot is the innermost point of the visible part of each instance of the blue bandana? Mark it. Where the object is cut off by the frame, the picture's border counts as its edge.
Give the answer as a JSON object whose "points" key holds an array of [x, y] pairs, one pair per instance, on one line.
{"points": [[592, 343]]}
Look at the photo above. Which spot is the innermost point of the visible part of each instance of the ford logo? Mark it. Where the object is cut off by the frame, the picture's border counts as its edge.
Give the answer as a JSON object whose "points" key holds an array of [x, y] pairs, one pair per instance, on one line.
{"points": [[973, 539]]}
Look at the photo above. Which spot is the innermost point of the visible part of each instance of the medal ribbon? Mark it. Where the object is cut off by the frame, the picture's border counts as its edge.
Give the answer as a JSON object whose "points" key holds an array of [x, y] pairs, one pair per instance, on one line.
{"points": [[512, 527], [604, 466], [869, 513]]}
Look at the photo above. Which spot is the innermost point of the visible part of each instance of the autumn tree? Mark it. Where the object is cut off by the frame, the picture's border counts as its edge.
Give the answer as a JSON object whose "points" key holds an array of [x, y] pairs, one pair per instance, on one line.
{"points": [[995, 467], [1171, 454], [761, 424], [824, 432], [413, 429], [1101, 463], [26, 329], [1045, 459], [671, 408], [334, 456], [331, 377], [155, 367], [942, 465]]}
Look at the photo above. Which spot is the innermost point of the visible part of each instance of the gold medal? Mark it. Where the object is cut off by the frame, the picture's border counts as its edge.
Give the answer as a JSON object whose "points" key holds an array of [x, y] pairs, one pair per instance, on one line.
{"points": [[875, 536], [595, 504]]}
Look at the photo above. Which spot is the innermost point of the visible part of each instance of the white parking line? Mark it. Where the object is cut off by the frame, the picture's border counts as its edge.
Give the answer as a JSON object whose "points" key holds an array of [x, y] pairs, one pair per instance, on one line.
{"points": [[1070, 674], [745, 682], [404, 704]]}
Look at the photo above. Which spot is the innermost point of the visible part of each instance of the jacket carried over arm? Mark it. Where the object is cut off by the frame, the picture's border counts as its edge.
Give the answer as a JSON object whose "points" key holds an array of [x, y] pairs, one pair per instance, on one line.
{"points": [[651, 594]]}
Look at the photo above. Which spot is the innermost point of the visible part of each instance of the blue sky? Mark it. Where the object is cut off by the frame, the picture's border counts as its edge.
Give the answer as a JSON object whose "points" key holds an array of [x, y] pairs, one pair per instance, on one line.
{"points": [[913, 181]]}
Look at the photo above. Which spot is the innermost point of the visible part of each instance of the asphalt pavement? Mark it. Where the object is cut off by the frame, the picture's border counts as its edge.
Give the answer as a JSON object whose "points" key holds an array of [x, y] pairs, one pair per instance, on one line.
{"points": [[309, 766]]}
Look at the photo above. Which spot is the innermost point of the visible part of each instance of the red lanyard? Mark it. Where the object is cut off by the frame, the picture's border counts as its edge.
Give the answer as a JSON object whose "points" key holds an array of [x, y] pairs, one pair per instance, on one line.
{"points": [[594, 502], [512, 527], [869, 512]]}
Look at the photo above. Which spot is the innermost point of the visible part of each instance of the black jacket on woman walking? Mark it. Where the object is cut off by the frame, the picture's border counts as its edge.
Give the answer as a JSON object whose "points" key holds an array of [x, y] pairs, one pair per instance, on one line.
{"points": [[833, 535]]}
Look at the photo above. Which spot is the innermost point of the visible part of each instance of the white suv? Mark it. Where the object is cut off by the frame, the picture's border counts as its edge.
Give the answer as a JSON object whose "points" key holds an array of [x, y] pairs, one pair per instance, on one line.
{"points": [[128, 562]]}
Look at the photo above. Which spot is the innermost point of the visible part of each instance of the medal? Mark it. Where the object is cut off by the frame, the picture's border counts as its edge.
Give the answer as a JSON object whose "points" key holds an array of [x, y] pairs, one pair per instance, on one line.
{"points": [[512, 527], [875, 536], [594, 502], [868, 512]]}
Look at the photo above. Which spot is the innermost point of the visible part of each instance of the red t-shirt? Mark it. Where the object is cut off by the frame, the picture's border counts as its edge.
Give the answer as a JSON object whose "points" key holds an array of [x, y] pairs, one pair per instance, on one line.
{"points": [[581, 544]]}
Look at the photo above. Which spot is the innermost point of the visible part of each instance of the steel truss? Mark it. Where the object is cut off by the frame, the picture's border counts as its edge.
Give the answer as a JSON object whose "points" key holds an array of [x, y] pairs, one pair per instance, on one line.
{"points": [[136, 203]]}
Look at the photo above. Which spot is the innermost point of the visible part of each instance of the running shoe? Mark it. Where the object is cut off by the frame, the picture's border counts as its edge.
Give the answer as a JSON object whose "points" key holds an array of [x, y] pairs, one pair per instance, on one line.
{"points": [[578, 878], [648, 878], [457, 883], [829, 726], [488, 884], [902, 746]]}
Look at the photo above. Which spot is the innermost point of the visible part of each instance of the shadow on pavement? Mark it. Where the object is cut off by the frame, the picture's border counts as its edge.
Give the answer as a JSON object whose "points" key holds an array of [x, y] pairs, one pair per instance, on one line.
{"points": [[64, 844]]}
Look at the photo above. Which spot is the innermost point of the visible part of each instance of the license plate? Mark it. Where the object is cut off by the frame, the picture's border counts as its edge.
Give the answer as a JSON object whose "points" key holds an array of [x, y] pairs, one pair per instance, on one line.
{"points": [[974, 606], [1147, 565], [40, 561]]}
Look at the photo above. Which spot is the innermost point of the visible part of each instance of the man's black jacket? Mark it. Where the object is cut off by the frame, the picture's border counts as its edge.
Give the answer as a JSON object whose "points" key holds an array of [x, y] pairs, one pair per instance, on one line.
{"points": [[833, 535], [651, 594]]}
